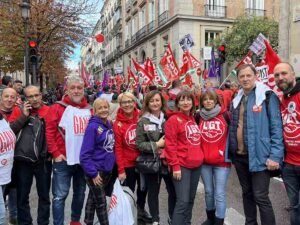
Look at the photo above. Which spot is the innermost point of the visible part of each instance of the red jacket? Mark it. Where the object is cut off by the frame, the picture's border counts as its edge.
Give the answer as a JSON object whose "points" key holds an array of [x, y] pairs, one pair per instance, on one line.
{"points": [[290, 112], [213, 140], [182, 147], [125, 147], [55, 141], [12, 115]]}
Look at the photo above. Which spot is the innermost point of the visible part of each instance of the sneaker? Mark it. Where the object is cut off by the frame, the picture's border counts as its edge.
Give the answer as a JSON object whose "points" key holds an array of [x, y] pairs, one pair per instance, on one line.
{"points": [[75, 223], [143, 215]]}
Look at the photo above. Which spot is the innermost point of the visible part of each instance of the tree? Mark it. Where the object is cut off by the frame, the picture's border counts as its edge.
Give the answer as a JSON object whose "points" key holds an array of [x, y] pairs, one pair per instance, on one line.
{"points": [[57, 25], [241, 35]]}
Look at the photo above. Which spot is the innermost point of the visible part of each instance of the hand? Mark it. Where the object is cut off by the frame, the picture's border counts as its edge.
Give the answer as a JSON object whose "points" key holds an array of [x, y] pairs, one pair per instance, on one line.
{"points": [[60, 158], [26, 108], [97, 180], [161, 142], [177, 175], [271, 165], [122, 177]]}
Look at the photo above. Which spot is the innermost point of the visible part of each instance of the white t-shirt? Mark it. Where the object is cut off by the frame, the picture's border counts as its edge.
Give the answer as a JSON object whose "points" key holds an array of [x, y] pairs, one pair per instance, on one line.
{"points": [[74, 121], [7, 147], [107, 96]]}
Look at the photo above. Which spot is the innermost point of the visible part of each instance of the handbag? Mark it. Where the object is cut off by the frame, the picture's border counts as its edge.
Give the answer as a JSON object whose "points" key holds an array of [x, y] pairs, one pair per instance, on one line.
{"points": [[148, 163]]}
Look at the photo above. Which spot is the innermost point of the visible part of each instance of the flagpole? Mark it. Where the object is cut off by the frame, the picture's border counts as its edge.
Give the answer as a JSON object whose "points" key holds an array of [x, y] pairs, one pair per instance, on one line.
{"points": [[226, 79]]}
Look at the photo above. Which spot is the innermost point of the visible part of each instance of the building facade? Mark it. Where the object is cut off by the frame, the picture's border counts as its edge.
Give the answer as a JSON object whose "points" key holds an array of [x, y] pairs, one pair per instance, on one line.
{"points": [[137, 29]]}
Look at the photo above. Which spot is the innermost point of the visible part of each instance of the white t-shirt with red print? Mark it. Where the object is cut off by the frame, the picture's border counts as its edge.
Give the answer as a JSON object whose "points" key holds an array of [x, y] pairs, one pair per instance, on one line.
{"points": [[74, 121], [7, 146]]}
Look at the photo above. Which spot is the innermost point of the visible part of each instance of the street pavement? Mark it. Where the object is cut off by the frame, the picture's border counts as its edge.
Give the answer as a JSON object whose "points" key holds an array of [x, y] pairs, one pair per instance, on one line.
{"points": [[234, 214]]}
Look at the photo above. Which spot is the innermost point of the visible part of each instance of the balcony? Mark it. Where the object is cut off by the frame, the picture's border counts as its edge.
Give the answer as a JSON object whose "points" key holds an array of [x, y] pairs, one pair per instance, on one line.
{"points": [[151, 26], [127, 43], [255, 12], [141, 33], [133, 38], [163, 18], [215, 11]]}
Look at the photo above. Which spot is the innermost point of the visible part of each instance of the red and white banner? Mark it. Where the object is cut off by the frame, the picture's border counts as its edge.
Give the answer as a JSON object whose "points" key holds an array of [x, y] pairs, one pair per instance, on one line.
{"points": [[143, 77], [169, 66]]}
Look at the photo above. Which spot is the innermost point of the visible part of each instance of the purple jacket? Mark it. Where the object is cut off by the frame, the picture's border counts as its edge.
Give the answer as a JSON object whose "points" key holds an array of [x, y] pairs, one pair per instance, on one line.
{"points": [[97, 150]]}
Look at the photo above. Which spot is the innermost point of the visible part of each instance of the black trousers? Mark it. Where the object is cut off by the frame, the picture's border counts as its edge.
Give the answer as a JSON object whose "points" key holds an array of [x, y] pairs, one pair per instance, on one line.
{"points": [[24, 177], [255, 188], [153, 182]]}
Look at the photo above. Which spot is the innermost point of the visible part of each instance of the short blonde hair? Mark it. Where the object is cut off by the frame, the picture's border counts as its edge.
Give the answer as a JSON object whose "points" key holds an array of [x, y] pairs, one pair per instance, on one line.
{"points": [[98, 101], [126, 94]]}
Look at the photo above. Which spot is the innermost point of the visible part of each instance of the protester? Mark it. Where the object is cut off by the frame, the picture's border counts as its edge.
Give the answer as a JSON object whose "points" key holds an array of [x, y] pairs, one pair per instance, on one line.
{"points": [[31, 158], [6, 82], [213, 124], [6, 155], [97, 160], [65, 127], [256, 144], [150, 139], [106, 94], [184, 155], [19, 89], [175, 89], [113, 107], [285, 79], [127, 152]]}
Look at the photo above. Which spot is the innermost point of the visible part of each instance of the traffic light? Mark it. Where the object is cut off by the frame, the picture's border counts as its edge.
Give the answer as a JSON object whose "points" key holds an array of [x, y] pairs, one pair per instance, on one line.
{"points": [[222, 54], [33, 51]]}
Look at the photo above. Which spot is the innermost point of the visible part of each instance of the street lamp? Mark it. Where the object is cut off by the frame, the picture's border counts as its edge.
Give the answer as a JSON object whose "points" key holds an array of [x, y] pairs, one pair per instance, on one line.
{"points": [[25, 12]]}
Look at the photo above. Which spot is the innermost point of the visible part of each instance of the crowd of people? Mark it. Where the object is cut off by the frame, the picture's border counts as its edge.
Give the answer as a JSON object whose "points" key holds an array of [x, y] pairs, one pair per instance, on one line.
{"points": [[193, 133]]}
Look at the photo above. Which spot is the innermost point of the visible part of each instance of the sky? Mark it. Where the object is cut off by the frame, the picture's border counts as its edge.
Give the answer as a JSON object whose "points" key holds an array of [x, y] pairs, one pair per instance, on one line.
{"points": [[92, 19]]}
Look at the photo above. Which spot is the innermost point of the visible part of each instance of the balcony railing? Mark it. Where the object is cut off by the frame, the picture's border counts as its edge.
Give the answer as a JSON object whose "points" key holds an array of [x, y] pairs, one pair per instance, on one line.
{"points": [[133, 38], [133, 2], [127, 43], [163, 18], [151, 26], [255, 12], [128, 5], [141, 33], [215, 11]]}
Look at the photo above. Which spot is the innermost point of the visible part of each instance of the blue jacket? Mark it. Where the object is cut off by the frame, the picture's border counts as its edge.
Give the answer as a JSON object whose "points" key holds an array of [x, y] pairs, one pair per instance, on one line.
{"points": [[263, 136], [97, 150]]}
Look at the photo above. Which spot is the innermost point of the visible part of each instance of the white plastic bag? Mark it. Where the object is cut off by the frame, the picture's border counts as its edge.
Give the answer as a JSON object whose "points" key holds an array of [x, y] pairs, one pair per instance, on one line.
{"points": [[119, 212]]}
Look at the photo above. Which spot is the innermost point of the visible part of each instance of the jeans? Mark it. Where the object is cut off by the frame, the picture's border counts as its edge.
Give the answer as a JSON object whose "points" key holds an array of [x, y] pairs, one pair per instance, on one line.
{"points": [[215, 181], [61, 182], [25, 172], [2, 207], [186, 189], [255, 188], [291, 179]]}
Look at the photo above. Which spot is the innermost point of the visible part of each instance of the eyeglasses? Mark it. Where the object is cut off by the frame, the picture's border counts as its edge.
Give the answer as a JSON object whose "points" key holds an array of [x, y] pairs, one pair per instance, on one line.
{"points": [[127, 102], [33, 96]]}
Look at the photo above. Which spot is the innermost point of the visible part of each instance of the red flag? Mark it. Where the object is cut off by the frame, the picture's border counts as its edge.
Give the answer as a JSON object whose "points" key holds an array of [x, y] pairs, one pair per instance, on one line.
{"points": [[148, 65], [188, 80], [85, 75], [143, 77], [132, 80], [169, 65], [246, 60], [205, 74]]}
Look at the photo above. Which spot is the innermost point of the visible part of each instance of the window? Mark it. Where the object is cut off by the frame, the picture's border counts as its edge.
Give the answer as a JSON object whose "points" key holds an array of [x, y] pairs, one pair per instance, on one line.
{"points": [[151, 11], [133, 25], [163, 6], [142, 17], [215, 8], [153, 45], [255, 7], [209, 37]]}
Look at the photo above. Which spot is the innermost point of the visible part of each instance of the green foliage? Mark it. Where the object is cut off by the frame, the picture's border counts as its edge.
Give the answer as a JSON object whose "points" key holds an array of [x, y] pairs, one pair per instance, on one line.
{"points": [[241, 35]]}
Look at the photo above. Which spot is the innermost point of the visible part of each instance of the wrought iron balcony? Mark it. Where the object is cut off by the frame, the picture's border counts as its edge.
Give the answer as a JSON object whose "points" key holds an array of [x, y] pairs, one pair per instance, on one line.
{"points": [[215, 11], [151, 26], [127, 43], [163, 18], [133, 38], [141, 33], [255, 12]]}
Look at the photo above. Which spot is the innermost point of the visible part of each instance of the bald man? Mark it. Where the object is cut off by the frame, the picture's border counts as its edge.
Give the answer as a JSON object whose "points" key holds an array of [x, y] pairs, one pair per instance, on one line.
{"points": [[32, 159]]}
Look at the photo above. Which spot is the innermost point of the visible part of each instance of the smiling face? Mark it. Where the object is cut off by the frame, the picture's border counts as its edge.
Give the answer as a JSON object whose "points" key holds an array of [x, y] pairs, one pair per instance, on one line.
{"points": [[127, 104], [75, 91], [247, 78], [284, 77], [34, 97], [8, 99], [155, 104], [101, 109], [185, 104], [208, 103]]}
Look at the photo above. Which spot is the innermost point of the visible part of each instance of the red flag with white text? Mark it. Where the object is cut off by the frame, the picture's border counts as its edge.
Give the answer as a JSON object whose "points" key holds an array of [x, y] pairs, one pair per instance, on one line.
{"points": [[142, 75], [169, 65]]}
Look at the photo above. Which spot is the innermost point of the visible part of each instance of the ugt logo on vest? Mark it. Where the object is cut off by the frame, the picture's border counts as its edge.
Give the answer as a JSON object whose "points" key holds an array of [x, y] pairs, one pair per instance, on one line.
{"points": [[192, 133], [212, 131]]}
